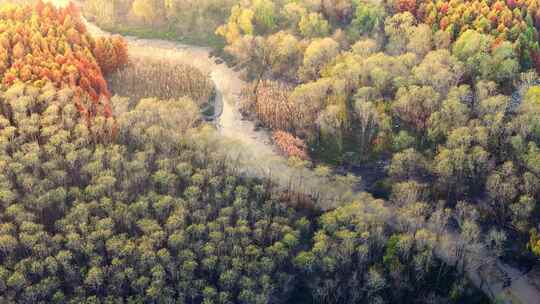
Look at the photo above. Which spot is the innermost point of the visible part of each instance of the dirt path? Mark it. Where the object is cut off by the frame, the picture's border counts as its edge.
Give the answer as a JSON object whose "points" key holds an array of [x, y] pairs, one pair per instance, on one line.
{"points": [[252, 148]]}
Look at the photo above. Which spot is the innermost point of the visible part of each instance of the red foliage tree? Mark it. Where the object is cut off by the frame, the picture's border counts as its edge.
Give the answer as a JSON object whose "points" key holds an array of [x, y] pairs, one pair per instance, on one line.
{"points": [[406, 6], [111, 53], [121, 51], [290, 145], [56, 48]]}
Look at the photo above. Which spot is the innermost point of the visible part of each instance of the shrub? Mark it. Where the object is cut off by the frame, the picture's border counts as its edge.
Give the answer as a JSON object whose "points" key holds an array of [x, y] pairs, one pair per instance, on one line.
{"points": [[111, 53], [290, 145]]}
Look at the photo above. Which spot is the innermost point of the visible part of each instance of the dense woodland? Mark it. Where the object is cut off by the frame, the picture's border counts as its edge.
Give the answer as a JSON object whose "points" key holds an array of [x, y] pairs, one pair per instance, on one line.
{"points": [[446, 92], [151, 218], [134, 198], [141, 204]]}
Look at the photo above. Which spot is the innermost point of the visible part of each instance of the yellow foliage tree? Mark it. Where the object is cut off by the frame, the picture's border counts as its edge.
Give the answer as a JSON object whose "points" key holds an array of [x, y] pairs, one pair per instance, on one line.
{"points": [[148, 10]]}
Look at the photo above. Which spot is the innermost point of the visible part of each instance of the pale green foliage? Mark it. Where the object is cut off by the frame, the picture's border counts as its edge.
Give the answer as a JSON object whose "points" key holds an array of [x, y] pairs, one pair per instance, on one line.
{"points": [[368, 17], [149, 214], [285, 54], [313, 25], [398, 28], [440, 70], [481, 59], [318, 54]]}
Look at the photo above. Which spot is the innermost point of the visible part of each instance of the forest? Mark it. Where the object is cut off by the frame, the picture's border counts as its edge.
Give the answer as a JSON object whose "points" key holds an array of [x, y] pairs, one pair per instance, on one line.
{"points": [[270, 151]]}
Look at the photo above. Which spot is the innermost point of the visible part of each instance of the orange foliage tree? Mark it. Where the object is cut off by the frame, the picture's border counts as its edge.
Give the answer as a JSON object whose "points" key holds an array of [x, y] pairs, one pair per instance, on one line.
{"points": [[111, 53], [290, 145], [41, 44]]}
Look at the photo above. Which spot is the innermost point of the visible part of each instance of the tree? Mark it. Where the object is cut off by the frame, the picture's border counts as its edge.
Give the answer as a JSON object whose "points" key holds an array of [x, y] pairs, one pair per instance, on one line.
{"points": [[481, 59], [255, 54], [306, 261], [408, 193], [462, 164], [502, 188], [310, 99], [111, 54], [232, 31], [318, 54], [472, 48], [503, 65], [497, 239], [452, 114], [16, 281], [420, 40], [265, 15], [534, 242], [104, 11], [148, 10], [344, 240], [94, 278], [19, 51], [285, 55], [440, 70], [290, 145], [469, 245], [414, 105], [375, 282], [313, 25], [365, 48], [407, 165], [527, 122], [330, 124], [398, 29], [338, 11], [369, 120], [367, 17], [293, 12]]}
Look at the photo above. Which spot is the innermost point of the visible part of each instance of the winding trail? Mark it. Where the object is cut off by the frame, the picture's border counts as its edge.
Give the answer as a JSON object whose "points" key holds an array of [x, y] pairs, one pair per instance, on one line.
{"points": [[256, 152], [251, 148]]}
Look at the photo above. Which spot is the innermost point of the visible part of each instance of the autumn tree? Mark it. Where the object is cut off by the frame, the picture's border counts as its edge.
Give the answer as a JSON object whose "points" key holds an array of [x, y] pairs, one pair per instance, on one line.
{"points": [[111, 54]]}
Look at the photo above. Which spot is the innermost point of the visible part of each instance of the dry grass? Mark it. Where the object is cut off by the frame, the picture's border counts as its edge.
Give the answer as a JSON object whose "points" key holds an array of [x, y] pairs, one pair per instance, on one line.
{"points": [[270, 104], [164, 79]]}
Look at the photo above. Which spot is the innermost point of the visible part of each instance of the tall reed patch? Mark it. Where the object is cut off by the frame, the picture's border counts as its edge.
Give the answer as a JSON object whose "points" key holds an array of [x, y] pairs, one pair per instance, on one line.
{"points": [[149, 77]]}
